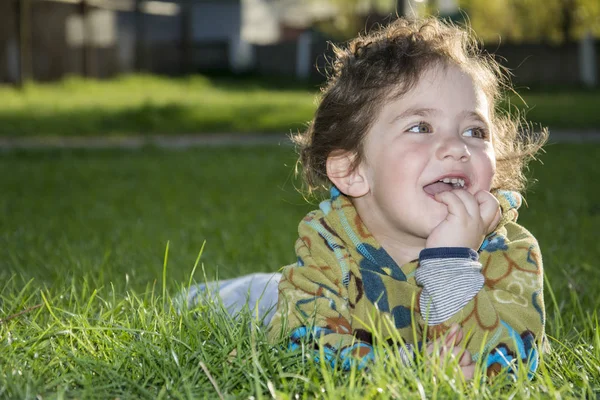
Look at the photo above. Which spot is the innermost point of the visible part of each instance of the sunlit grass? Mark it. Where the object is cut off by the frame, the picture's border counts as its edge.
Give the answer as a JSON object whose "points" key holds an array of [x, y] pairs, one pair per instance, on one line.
{"points": [[143, 105], [152, 105], [85, 293], [93, 343]]}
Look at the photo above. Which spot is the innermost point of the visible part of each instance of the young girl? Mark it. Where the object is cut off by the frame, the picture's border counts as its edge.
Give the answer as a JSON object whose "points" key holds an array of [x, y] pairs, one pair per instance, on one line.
{"points": [[420, 232]]}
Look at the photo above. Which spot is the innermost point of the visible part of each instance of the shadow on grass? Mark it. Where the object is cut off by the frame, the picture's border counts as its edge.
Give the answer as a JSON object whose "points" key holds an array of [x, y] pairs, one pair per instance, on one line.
{"points": [[252, 81]]}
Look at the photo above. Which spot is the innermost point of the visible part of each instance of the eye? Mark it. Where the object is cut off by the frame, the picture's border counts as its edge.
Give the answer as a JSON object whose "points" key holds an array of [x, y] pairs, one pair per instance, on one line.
{"points": [[478, 133], [421, 127]]}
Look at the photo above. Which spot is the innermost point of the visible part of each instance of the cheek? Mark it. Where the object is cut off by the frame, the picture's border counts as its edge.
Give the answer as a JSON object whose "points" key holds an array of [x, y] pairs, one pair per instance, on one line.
{"points": [[404, 169], [487, 169], [400, 166]]}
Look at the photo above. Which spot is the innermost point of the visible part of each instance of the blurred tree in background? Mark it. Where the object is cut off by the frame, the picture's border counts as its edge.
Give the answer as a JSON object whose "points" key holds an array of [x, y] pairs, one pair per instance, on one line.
{"points": [[550, 21], [356, 15]]}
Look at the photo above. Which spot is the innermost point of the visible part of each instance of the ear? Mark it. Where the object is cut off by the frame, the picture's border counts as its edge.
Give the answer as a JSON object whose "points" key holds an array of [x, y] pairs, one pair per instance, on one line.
{"points": [[351, 182]]}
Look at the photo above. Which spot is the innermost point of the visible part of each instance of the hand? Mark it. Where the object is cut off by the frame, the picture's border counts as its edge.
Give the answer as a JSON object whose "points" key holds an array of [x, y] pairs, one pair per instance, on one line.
{"points": [[469, 219], [450, 345]]}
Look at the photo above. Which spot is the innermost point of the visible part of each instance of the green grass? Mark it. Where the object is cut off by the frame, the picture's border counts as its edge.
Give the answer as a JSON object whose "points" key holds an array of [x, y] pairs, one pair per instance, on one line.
{"points": [[565, 109], [142, 105], [153, 105], [83, 237]]}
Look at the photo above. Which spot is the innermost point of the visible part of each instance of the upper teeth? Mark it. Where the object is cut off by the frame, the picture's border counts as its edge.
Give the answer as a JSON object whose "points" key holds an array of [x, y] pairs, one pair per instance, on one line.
{"points": [[455, 181]]}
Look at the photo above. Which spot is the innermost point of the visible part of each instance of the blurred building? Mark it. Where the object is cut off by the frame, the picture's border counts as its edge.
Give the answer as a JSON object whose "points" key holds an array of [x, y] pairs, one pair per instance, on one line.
{"points": [[102, 38]]}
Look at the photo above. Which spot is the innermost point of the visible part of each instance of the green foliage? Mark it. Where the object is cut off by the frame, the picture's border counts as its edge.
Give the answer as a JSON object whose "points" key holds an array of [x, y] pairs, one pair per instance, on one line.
{"points": [[532, 20], [349, 18], [82, 258], [551, 21]]}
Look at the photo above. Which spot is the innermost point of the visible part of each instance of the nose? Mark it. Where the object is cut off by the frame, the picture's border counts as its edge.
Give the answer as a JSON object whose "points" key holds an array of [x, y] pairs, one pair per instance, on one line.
{"points": [[453, 147]]}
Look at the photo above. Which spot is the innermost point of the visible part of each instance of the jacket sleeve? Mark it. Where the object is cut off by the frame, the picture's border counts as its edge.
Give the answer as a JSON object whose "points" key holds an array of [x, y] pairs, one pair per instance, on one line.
{"points": [[505, 317], [313, 309]]}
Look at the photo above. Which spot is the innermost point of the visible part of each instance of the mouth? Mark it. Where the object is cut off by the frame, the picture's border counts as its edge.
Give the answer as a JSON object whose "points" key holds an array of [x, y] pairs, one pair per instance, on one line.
{"points": [[447, 183]]}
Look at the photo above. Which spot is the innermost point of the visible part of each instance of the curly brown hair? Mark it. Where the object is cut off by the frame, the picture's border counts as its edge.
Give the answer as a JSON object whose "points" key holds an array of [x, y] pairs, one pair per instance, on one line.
{"points": [[385, 64]]}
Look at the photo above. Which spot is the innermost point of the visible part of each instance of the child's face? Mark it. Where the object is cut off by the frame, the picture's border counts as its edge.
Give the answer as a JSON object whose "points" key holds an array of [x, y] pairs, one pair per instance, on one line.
{"points": [[439, 129]]}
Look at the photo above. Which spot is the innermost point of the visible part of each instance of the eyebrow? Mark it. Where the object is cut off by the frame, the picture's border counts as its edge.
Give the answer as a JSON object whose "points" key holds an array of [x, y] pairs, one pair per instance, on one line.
{"points": [[424, 112], [474, 115]]}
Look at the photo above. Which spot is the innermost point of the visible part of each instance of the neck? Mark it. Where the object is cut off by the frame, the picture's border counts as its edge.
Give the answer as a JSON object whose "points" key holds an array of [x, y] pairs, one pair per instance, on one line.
{"points": [[402, 252]]}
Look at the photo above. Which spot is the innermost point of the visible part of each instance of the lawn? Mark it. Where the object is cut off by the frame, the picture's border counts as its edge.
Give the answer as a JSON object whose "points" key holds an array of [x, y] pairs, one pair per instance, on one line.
{"points": [[83, 240], [141, 105], [133, 105]]}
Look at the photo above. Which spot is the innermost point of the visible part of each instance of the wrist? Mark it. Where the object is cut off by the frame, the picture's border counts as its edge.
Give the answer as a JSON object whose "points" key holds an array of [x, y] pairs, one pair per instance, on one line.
{"points": [[454, 242]]}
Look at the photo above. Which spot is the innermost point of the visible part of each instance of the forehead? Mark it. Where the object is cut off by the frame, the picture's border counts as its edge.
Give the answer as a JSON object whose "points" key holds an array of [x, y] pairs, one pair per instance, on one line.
{"points": [[446, 88]]}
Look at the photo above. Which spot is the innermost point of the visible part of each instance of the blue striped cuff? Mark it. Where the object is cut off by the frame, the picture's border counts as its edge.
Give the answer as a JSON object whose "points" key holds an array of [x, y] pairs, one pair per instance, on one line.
{"points": [[448, 252]]}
